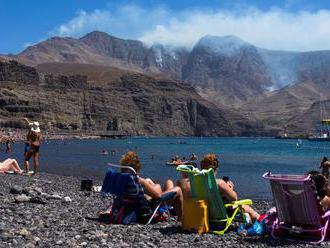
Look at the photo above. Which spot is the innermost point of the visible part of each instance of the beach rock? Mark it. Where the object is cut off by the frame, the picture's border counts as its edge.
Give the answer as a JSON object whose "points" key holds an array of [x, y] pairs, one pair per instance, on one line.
{"points": [[38, 190], [60, 242], [54, 197], [29, 245], [23, 232], [5, 236], [57, 225], [36, 239], [22, 198], [38, 200], [16, 190], [67, 199]]}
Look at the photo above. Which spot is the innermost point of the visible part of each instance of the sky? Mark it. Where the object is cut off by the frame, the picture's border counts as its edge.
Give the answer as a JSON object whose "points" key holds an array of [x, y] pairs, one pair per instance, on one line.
{"points": [[298, 25]]}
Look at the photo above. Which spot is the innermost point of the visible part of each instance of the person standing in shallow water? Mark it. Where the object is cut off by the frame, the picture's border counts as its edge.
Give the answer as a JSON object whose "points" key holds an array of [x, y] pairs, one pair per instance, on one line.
{"points": [[32, 146], [325, 165]]}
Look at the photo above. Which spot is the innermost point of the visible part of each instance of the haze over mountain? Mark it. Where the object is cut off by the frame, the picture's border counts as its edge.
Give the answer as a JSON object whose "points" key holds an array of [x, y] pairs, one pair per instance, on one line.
{"points": [[271, 86]]}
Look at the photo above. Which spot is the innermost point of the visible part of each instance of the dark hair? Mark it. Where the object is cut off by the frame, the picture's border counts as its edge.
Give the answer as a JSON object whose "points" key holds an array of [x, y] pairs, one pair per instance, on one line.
{"points": [[319, 182], [325, 159], [225, 178]]}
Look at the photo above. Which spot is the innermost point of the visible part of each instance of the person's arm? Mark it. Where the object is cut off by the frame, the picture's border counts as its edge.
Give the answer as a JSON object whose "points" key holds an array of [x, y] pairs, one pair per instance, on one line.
{"points": [[26, 120], [226, 190], [149, 189], [325, 202], [327, 164]]}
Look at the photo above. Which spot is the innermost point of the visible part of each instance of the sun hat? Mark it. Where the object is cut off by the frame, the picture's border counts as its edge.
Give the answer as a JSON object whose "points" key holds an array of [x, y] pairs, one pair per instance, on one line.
{"points": [[34, 126]]}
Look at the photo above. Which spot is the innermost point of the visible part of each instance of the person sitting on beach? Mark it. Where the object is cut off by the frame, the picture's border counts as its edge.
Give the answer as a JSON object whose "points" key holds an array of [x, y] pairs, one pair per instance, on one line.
{"points": [[325, 165], [10, 165], [226, 188], [322, 188], [152, 190], [32, 146]]}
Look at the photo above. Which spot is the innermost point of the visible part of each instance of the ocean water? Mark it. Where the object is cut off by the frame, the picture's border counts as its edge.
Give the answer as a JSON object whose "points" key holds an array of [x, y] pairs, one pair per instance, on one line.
{"points": [[244, 160]]}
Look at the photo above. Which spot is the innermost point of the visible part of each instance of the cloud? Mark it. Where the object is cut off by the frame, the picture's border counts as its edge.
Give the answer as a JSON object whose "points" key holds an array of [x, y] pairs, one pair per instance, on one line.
{"points": [[127, 22], [273, 29], [27, 44]]}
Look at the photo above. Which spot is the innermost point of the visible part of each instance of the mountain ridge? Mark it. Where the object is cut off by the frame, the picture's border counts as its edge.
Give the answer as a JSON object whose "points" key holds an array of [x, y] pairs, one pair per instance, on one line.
{"points": [[228, 71]]}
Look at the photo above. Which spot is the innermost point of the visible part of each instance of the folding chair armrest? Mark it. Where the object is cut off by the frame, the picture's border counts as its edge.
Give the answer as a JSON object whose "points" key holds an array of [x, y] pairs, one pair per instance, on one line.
{"points": [[239, 203], [327, 214], [187, 168]]}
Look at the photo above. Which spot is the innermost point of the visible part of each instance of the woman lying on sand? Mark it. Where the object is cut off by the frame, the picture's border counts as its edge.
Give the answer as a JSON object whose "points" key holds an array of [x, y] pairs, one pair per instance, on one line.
{"points": [[10, 165], [225, 188], [151, 189]]}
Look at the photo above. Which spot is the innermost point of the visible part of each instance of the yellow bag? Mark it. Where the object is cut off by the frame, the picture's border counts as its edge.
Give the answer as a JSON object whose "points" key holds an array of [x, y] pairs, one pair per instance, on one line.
{"points": [[195, 215]]}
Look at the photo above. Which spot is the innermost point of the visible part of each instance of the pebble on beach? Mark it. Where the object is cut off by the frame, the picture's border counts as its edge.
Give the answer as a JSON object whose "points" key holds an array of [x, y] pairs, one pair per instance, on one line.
{"points": [[50, 211]]}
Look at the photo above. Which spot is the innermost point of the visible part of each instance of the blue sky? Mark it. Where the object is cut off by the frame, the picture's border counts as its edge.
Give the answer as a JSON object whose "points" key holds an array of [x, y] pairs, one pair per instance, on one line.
{"points": [[282, 24]]}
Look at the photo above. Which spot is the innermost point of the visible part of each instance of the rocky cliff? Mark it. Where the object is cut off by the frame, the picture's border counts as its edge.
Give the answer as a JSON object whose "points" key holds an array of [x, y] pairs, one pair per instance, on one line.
{"points": [[271, 86], [132, 103], [226, 70]]}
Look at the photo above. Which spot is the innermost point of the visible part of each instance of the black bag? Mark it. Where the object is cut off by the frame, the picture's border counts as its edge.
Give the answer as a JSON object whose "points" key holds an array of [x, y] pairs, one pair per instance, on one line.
{"points": [[86, 184]]}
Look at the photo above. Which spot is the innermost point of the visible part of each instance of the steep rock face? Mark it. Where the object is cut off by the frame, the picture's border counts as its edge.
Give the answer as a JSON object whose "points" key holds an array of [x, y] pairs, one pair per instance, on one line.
{"points": [[14, 71], [134, 104], [314, 67], [279, 108], [309, 119], [273, 86], [130, 52], [226, 69]]}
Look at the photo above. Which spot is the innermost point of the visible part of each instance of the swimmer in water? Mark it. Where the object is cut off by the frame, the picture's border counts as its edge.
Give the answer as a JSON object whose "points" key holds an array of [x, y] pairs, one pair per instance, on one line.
{"points": [[105, 152]]}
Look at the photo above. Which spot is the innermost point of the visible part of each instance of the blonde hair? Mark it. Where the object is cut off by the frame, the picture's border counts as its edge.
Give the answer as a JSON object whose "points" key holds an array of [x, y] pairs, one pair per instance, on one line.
{"points": [[131, 159], [210, 161]]}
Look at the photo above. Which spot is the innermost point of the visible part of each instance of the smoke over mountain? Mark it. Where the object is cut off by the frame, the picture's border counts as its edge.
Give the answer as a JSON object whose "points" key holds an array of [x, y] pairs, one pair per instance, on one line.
{"points": [[276, 28]]}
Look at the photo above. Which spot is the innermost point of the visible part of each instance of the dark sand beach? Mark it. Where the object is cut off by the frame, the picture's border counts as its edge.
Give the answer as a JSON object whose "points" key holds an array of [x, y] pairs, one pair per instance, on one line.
{"points": [[47, 220]]}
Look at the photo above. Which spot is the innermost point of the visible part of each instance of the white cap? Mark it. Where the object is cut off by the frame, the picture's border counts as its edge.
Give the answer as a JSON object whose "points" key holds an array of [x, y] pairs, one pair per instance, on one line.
{"points": [[34, 126]]}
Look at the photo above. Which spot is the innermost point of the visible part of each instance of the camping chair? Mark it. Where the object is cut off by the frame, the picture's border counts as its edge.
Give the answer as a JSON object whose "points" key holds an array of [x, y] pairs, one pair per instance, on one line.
{"points": [[299, 213], [116, 184], [204, 186]]}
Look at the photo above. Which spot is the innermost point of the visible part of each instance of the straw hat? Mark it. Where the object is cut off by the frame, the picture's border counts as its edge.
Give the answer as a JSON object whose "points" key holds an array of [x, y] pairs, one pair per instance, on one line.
{"points": [[34, 126]]}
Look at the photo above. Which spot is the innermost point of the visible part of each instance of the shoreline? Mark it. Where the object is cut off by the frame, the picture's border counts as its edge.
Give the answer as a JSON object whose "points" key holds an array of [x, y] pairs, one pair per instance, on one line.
{"points": [[52, 221], [19, 135]]}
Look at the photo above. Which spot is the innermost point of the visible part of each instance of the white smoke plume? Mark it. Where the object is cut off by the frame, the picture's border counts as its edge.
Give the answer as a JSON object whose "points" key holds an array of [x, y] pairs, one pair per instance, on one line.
{"points": [[276, 28]]}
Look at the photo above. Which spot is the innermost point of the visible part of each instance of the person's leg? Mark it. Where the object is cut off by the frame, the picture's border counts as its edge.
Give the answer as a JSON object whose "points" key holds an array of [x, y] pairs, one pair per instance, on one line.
{"points": [[15, 166], [36, 162], [149, 180], [26, 162], [169, 184], [7, 161], [178, 201], [184, 185], [156, 186], [5, 166], [253, 214]]}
